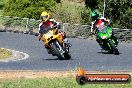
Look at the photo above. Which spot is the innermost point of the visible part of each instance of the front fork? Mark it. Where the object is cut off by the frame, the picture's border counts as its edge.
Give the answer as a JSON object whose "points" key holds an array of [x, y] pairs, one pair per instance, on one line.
{"points": [[60, 48], [114, 41]]}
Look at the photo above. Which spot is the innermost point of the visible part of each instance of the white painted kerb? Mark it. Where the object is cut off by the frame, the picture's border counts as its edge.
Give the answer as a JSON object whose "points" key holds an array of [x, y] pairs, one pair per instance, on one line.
{"points": [[17, 55]]}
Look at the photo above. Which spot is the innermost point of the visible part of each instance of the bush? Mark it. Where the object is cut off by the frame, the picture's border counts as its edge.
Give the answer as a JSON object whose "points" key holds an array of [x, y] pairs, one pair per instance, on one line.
{"points": [[71, 13], [120, 12], [27, 8], [58, 1]]}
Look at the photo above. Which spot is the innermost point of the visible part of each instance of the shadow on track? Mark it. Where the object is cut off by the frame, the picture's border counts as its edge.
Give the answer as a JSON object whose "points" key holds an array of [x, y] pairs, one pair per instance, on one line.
{"points": [[107, 53], [56, 59]]}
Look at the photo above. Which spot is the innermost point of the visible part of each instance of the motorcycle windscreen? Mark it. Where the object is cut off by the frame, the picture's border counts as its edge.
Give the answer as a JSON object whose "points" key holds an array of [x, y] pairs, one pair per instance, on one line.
{"points": [[103, 32], [102, 28]]}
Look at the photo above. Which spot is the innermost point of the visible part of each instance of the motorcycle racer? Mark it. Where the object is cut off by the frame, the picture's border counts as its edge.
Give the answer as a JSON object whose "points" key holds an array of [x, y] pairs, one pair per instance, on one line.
{"points": [[100, 22], [95, 27], [47, 24]]}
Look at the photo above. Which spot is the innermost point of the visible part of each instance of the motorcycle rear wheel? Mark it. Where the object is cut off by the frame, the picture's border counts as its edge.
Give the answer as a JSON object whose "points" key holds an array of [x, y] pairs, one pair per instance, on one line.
{"points": [[58, 54]]}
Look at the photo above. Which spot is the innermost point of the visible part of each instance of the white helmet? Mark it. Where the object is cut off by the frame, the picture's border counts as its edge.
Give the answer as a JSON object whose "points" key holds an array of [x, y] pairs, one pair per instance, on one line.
{"points": [[102, 18]]}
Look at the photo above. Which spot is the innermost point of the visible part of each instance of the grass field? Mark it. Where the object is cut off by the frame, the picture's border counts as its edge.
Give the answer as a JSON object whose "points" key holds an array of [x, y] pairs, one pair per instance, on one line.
{"points": [[54, 83]]}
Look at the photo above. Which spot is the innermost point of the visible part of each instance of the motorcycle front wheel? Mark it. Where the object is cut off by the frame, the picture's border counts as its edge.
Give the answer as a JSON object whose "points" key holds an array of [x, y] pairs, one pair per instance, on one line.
{"points": [[59, 53], [113, 48]]}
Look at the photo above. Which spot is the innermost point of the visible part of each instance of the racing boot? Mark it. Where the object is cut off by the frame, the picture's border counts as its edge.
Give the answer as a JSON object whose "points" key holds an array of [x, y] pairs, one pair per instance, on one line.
{"points": [[100, 44], [65, 41], [66, 45]]}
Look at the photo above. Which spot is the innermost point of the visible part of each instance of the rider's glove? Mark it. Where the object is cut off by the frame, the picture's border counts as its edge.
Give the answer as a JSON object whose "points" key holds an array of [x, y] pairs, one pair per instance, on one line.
{"points": [[36, 34], [108, 21], [40, 35]]}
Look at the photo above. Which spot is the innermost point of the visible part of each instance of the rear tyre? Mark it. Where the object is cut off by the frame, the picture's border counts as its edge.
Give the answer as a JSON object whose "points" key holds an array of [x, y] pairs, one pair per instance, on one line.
{"points": [[113, 48], [67, 56], [111, 52]]}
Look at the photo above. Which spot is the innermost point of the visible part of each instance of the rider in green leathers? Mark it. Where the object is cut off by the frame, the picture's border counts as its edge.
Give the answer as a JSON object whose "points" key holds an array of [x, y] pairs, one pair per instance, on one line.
{"points": [[96, 18]]}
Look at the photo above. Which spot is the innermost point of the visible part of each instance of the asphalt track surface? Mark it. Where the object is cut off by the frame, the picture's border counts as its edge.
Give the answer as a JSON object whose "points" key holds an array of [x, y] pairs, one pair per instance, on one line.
{"points": [[84, 52]]}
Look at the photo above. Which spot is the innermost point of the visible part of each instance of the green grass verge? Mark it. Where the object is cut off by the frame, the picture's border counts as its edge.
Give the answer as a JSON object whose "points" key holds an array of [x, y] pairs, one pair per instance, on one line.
{"points": [[54, 83], [5, 53]]}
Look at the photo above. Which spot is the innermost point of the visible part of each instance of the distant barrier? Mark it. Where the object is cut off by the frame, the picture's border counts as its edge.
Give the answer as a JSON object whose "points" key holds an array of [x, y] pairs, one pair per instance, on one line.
{"points": [[30, 26], [83, 31]]}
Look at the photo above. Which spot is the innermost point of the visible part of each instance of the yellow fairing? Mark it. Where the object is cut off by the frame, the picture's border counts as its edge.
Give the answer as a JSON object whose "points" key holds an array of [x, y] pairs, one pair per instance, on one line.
{"points": [[52, 35]]}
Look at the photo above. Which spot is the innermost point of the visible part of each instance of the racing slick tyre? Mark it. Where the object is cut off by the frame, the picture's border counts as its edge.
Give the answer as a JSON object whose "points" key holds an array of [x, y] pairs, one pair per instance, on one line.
{"points": [[57, 52], [67, 56], [113, 47]]}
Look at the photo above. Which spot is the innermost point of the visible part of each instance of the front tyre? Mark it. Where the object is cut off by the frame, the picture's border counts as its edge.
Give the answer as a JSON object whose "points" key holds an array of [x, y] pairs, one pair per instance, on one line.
{"points": [[56, 51], [113, 48]]}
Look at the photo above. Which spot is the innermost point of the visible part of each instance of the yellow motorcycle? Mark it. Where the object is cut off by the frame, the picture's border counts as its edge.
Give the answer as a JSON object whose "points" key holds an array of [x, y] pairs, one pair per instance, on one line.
{"points": [[54, 41]]}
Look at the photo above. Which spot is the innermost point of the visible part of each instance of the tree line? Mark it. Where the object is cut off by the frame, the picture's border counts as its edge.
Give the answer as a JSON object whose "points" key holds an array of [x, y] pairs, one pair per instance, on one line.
{"points": [[119, 11]]}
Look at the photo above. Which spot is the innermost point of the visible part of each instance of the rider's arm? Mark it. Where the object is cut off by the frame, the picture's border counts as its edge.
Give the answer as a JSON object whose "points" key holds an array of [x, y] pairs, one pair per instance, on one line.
{"points": [[105, 20], [92, 23], [53, 22], [93, 27], [56, 24], [39, 29]]}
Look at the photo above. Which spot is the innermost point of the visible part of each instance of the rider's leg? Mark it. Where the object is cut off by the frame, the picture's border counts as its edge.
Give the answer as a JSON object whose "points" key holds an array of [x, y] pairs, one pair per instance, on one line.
{"points": [[65, 40], [48, 49], [99, 42]]}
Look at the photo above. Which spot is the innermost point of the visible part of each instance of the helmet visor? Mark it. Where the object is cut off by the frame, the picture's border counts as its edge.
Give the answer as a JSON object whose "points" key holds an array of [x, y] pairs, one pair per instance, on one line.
{"points": [[44, 18]]}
